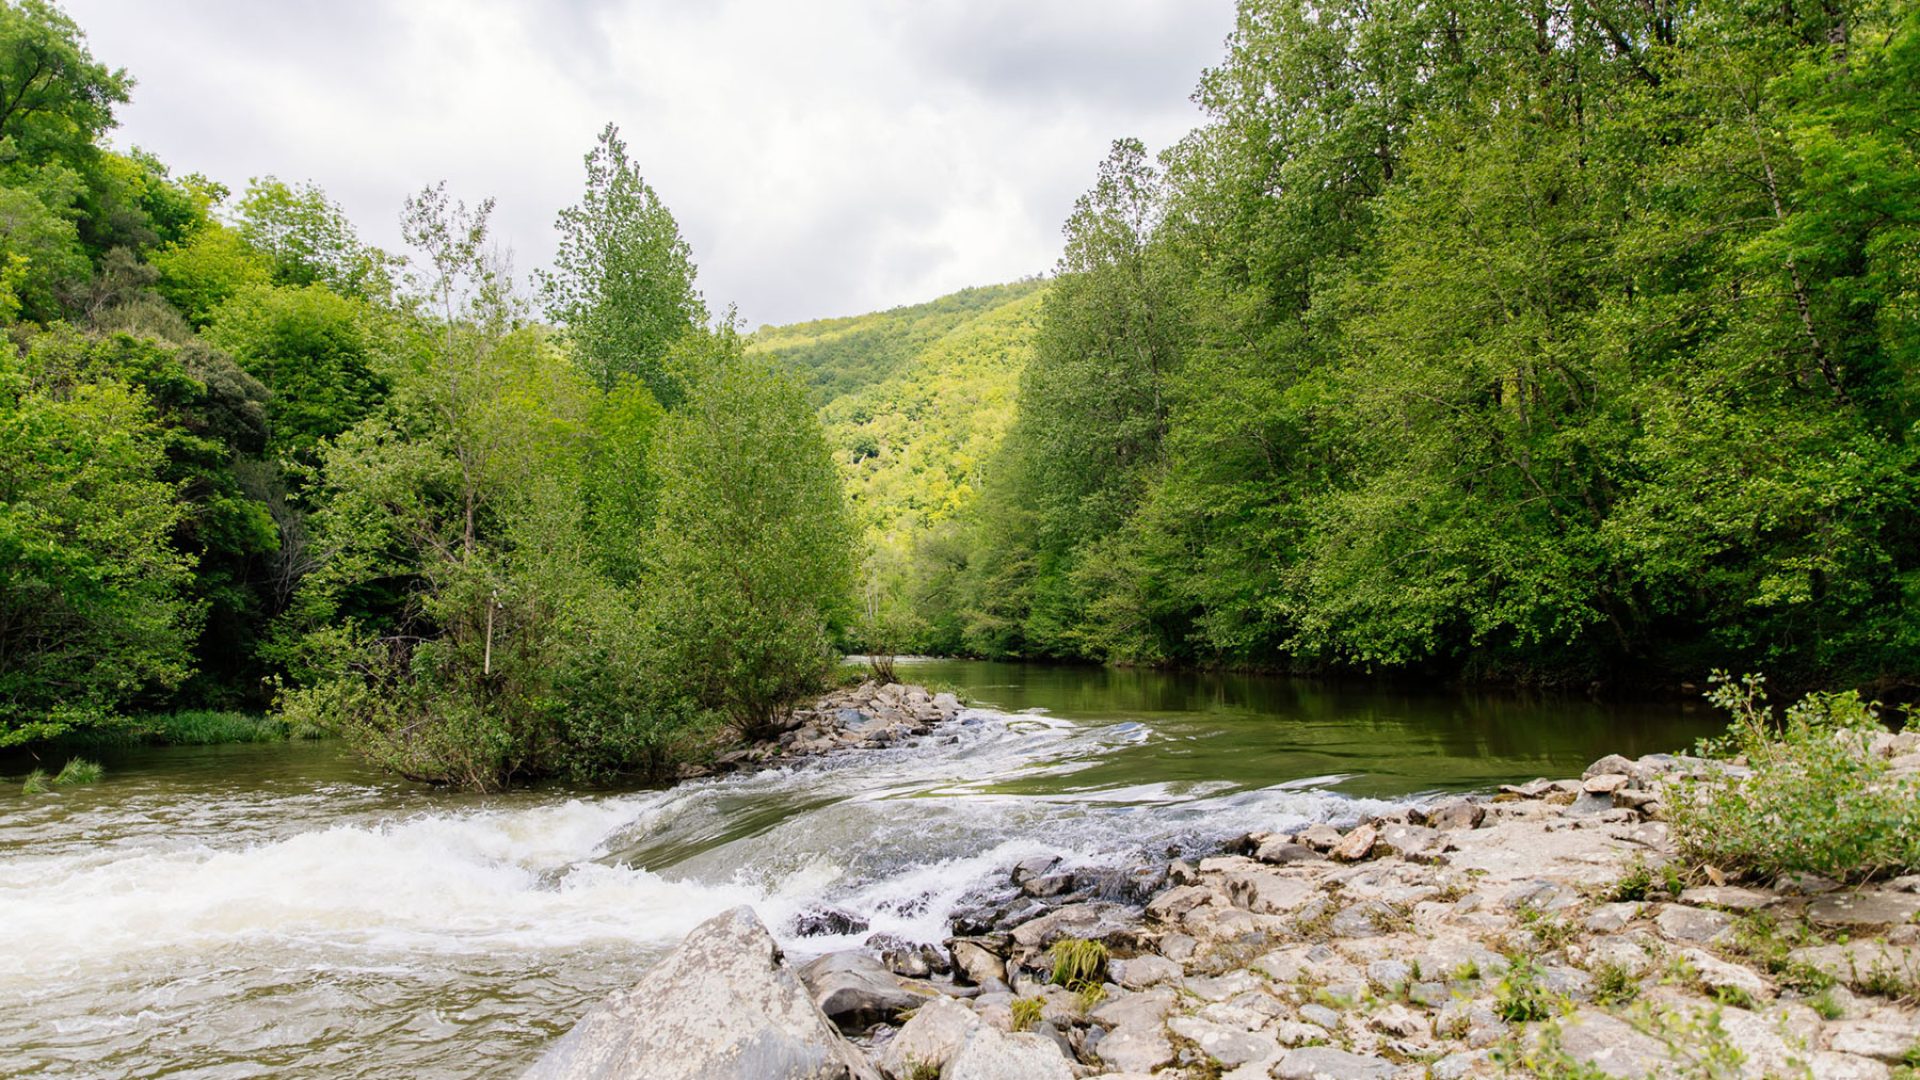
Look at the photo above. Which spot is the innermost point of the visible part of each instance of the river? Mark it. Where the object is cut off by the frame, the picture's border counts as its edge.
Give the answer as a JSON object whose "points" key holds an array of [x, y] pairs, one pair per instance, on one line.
{"points": [[282, 910]]}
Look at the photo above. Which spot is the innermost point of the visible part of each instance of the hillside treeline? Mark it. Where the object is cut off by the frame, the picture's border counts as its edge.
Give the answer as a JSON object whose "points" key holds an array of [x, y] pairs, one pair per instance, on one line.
{"points": [[248, 460], [1535, 341]]}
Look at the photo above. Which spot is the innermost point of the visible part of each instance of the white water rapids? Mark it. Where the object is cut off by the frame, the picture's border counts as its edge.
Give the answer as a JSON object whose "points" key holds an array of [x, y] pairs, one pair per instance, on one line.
{"points": [[319, 929]]}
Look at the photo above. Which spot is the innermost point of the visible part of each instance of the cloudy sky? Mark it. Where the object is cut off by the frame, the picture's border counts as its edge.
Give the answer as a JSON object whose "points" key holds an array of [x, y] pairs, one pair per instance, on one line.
{"points": [[824, 157]]}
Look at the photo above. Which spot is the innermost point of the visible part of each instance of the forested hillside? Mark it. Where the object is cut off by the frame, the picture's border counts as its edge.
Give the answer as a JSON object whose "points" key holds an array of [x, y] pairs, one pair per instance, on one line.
{"points": [[1554, 343], [249, 460]]}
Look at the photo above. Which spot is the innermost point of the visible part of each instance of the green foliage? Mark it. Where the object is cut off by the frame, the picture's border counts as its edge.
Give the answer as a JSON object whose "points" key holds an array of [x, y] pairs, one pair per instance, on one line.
{"points": [[308, 241], [1077, 963], [319, 353], [1818, 799], [56, 100], [622, 281], [1026, 1012], [753, 547], [36, 783], [78, 771], [1520, 997], [1614, 985], [1634, 885], [209, 727], [93, 600], [212, 267]]}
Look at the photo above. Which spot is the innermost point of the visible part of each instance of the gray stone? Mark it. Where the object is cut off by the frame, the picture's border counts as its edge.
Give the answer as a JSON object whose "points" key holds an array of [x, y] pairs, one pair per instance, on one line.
{"points": [[1588, 806], [1281, 851], [1226, 1045], [857, 991], [1414, 843], [1612, 1046], [1869, 1040], [1328, 1063], [974, 961], [721, 1006], [1095, 921], [1388, 973], [1178, 947], [1140, 972], [1177, 901], [1268, 893], [1717, 974], [1729, 897], [1613, 763], [992, 1054], [1320, 837], [1613, 918], [1828, 1065], [1356, 845], [1455, 814], [1320, 1015], [1458, 1065], [1871, 908], [1606, 783], [931, 1038], [1694, 926], [1136, 1048], [1146, 1009], [1399, 1021]]}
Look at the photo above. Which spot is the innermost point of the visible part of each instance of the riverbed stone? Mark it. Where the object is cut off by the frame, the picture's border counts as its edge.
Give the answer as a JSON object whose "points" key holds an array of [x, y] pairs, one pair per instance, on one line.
{"points": [[976, 962], [723, 1005], [1692, 925], [931, 1038], [1329, 1063], [1874, 909], [855, 990], [1136, 1047], [991, 1054], [1146, 1009], [1268, 892], [1319, 836], [1716, 974], [1177, 901], [1140, 972], [1729, 897], [1455, 814], [1355, 845], [1612, 1046], [1856, 963], [1096, 921], [1227, 1045]]}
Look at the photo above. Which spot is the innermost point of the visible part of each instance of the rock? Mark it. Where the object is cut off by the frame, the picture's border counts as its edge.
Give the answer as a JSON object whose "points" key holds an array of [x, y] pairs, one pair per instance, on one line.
{"points": [[1226, 1045], [1869, 908], [828, 922], [1868, 1040], [1282, 850], [1388, 973], [1320, 1015], [1857, 963], [1695, 926], [1729, 897], [991, 1054], [1268, 893], [1356, 845], [1033, 867], [1399, 1021], [1717, 974], [1295, 1033], [1613, 918], [1093, 921], [721, 1006], [1461, 1064], [1613, 764], [1177, 901], [1413, 843], [1136, 1048], [1612, 1046], [1588, 806], [1606, 783], [1327, 1063], [1320, 837], [912, 959], [1140, 972], [1828, 1065], [930, 1039], [1147, 1009], [1454, 814], [1178, 947], [977, 963], [856, 991]]}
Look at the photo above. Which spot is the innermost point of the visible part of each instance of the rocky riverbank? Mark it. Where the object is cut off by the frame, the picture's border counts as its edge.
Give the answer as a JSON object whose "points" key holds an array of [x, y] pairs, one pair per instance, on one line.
{"points": [[1544, 930], [864, 717]]}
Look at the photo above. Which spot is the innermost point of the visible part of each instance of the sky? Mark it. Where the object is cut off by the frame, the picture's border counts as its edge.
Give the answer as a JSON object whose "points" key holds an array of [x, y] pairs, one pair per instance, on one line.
{"points": [[824, 158]]}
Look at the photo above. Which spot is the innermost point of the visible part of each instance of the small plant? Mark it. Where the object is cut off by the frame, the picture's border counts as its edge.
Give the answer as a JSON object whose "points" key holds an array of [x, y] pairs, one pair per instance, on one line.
{"points": [[209, 727], [1614, 985], [922, 1070], [1089, 997], [1634, 885], [37, 783], [1026, 1013], [1078, 963], [1466, 972], [1520, 997], [1827, 1005], [79, 771], [1818, 799], [1548, 931]]}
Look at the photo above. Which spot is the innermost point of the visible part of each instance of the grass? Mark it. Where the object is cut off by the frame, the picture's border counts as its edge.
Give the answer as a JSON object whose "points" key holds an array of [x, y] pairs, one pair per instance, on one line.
{"points": [[1520, 997], [1634, 885], [1026, 1013], [1614, 985], [37, 783], [1768, 944], [210, 727], [79, 771], [1077, 963]]}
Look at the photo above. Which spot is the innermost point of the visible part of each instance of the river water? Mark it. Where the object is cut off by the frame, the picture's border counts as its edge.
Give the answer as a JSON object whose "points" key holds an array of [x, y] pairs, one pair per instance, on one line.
{"points": [[282, 910]]}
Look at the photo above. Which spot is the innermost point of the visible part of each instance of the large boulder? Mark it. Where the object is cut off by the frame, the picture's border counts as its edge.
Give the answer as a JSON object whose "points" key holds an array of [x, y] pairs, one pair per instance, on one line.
{"points": [[722, 1005], [929, 1040], [992, 1054]]}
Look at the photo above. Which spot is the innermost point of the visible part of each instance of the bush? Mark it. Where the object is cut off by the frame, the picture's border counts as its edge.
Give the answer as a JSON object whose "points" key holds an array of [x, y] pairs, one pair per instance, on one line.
{"points": [[1819, 797]]}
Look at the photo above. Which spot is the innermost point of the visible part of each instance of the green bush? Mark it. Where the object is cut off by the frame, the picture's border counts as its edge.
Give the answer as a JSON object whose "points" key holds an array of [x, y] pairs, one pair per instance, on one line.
{"points": [[1818, 799], [208, 727]]}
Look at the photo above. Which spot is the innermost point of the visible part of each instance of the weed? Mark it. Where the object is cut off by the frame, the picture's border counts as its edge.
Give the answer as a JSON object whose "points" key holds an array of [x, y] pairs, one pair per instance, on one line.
{"points": [[1827, 1005], [79, 771], [922, 1070], [1634, 885], [1078, 963], [1520, 997], [37, 783], [1466, 971], [1614, 985], [1026, 1013], [1549, 932], [1769, 944], [1089, 997]]}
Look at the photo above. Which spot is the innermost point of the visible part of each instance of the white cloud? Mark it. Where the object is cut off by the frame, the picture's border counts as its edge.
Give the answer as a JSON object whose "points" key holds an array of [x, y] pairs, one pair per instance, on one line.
{"points": [[823, 158]]}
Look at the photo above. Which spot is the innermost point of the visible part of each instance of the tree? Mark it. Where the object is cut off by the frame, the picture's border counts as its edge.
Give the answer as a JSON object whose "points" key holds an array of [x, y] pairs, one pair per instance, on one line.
{"points": [[310, 241], [93, 601], [622, 280], [753, 548], [56, 100]]}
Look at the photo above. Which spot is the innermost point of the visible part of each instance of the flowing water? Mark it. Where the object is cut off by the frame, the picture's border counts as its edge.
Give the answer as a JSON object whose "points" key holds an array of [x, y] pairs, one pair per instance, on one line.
{"points": [[281, 910]]}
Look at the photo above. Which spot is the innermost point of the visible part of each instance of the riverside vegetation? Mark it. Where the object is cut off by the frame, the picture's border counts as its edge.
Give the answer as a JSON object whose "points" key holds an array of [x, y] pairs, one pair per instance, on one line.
{"points": [[249, 461]]}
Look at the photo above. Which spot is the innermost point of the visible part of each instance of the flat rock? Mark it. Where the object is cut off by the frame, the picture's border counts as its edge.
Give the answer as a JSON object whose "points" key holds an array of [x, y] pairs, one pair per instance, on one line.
{"points": [[1414, 843], [1857, 962], [1871, 908], [1177, 901], [856, 991], [1093, 921], [931, 1038], [976, 962], [1356, 845], [1606, 783], [992, 1054], [1320, 837], [1870, 1040], [1328, 1063], [1454, 814], [1612, 1046], [1146, 1009], [1695, 926], [1268, 892], [1140, 972], [722, 1005], [1613, 918], [1136, 1048], [1717, 974], [1228, 1046], [1729, 897], [1281, 851]]}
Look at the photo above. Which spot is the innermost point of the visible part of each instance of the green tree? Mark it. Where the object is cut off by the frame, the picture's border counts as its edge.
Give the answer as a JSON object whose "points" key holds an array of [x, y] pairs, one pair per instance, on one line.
{"points": [[753, 548], [56, 100], [310, 241], [322, 355], [622, 280]]}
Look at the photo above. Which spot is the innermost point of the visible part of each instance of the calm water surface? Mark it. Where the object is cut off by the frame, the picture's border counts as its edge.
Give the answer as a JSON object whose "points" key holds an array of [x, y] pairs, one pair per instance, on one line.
{"points": [[280, 909]]}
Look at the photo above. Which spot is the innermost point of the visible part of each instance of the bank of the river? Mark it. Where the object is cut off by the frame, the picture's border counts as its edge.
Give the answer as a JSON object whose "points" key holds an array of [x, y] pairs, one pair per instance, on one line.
{"points": [[1547, 930]]}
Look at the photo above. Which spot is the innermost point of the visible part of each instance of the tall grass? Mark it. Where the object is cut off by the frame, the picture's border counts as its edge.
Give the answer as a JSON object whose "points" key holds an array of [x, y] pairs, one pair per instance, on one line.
{"points": [[209, 727], [79, 771]]}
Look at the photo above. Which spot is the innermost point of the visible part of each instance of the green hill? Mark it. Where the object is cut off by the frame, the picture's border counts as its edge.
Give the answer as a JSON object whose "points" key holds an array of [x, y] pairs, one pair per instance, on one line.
{"points": [[916, 399]]}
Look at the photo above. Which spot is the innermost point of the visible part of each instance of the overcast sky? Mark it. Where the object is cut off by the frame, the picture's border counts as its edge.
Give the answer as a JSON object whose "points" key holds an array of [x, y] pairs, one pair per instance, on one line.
{"points": [[823, 158]]}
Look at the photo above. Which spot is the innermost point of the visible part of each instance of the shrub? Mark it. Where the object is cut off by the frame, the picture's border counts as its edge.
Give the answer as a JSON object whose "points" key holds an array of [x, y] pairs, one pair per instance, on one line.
{"points": [[1819, 799]]}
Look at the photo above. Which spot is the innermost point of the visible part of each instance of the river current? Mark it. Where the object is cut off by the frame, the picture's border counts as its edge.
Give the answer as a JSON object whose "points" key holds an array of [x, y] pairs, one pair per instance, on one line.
{"points": [[282, 910]]}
